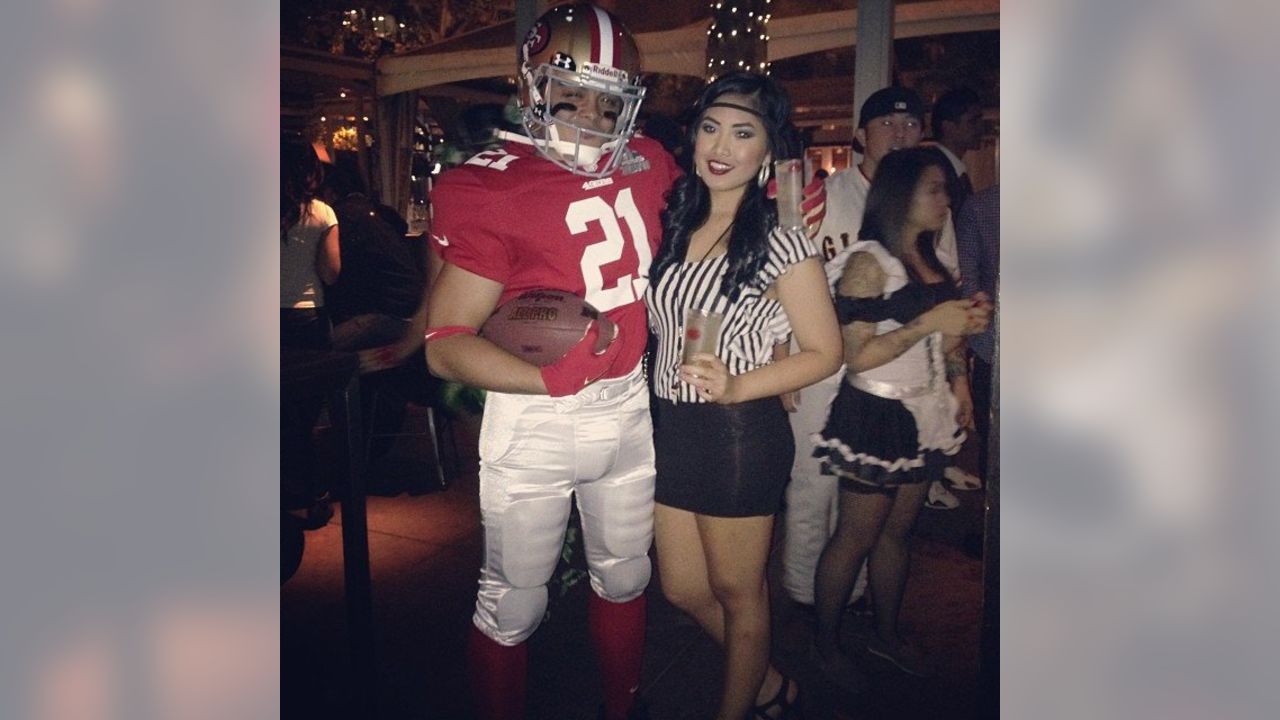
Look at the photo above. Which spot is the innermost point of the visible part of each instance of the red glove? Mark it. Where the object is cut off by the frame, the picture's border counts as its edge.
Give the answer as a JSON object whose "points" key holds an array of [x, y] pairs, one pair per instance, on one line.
{"points": [[813, 203], [581, 366]]}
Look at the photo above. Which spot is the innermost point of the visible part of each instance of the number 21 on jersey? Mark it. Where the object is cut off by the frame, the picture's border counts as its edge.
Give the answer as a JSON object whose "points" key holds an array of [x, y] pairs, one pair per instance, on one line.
{"points": [[629, 287]]}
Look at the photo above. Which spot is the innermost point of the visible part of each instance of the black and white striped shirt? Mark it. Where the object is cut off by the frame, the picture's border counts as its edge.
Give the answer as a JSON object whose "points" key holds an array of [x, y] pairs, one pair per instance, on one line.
{"points": [[751, 327]]}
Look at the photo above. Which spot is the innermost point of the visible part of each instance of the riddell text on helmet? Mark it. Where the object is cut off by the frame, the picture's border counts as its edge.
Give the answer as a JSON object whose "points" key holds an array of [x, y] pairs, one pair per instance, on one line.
{"points": [[612, 73]]}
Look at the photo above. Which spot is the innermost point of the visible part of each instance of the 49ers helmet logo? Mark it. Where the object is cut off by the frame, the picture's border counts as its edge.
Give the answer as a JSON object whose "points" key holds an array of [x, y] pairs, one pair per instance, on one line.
{"points": [[537, 39]]}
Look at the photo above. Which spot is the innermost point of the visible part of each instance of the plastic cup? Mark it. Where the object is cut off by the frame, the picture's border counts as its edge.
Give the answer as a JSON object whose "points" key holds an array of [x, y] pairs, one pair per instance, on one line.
{"points": [[701, 333], [790, 176]]}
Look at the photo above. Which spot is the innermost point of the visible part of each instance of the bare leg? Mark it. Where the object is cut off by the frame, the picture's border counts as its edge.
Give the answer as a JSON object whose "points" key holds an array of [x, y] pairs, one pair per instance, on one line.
{"points": [[714, 570], [737, 551], [683, 568]]}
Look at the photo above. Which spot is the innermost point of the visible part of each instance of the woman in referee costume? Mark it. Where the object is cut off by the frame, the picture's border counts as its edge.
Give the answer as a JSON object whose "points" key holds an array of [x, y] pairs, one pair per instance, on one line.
{"points": [[723, 444]]}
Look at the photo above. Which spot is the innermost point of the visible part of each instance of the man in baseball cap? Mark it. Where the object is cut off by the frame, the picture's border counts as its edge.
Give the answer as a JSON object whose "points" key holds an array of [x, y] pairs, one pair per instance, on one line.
{"points": [[890, 119], [888, 101]]}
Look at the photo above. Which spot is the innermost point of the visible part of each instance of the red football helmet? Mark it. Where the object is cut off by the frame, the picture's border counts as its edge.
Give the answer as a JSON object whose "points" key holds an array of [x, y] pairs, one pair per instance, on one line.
{"points": [[579, 53]]}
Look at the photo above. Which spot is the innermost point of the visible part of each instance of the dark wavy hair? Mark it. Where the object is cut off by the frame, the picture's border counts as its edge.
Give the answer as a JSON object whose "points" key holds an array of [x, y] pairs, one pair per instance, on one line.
{"points": [[952, 106], [300, 176], [689, 203], [889, 202]]}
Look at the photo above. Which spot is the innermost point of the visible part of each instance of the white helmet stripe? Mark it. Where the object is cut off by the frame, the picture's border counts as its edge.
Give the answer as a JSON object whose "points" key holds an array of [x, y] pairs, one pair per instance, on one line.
{"points": [[604, 24]]}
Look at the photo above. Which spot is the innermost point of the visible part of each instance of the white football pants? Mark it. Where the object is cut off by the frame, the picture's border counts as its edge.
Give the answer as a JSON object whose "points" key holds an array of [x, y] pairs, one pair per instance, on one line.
{"points": [[537, 451]]}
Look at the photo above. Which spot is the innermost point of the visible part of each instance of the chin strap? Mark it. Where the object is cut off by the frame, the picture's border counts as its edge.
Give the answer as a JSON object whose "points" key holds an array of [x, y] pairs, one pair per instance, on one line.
{"points": [[585, 156]]}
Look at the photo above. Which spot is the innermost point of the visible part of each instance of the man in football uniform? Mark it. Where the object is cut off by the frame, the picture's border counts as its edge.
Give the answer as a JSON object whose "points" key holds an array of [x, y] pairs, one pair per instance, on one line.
{"points": [[572, 204]]}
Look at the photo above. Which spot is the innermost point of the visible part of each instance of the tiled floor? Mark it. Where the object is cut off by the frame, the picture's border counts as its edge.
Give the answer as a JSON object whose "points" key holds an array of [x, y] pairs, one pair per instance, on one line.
{"points": [[425, 552]]}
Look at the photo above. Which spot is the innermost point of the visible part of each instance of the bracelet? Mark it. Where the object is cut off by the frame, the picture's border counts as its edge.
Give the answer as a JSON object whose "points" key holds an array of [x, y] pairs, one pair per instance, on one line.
{"points": [[441, 333]]}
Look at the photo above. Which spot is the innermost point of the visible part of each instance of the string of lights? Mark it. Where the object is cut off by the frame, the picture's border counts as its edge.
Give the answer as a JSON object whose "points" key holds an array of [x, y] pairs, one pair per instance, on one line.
{"points": [[738, 37]]}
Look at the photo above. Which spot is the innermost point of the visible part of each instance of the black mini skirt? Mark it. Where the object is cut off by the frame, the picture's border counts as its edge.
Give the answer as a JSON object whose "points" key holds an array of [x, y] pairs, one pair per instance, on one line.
{"points": [[722, 460]]}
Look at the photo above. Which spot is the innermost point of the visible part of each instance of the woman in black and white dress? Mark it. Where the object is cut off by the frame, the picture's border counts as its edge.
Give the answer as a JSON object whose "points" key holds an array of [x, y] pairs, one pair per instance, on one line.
{"points": [[903, 404], [723, 444]]}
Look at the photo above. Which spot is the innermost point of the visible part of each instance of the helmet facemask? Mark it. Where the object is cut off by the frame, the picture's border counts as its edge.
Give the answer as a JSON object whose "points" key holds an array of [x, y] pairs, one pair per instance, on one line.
{"points": [[573, 55], [578, 147]]}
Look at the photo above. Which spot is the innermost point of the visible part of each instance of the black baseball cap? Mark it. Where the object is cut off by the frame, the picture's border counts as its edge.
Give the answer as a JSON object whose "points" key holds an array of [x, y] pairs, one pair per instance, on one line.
{"points": [[888, 101]]}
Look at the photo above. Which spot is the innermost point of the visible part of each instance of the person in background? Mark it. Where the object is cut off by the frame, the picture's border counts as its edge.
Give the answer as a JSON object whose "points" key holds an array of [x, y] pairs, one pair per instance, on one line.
{"points": [[310, 258], [381, 285], [890, 119], [310, 253], [957, 129], [978, 240], [720, 431], [376, 302], [902, 406], [572, 203]]}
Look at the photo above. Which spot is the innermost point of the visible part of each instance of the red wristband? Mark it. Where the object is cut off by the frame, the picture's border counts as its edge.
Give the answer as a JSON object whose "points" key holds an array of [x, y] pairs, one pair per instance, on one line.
{"points": [[443, 332]]}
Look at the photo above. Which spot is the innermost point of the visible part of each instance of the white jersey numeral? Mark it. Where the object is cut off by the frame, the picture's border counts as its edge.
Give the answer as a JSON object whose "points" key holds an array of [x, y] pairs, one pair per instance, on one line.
{"points": [[492, 159], [629, 287]]}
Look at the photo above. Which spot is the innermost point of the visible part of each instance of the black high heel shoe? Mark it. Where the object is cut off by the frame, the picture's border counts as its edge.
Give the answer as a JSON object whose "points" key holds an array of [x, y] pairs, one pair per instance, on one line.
{"points": [[787, 709]]}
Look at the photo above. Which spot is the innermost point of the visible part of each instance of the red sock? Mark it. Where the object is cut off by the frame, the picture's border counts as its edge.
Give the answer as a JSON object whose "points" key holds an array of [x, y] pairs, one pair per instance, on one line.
{"points": [[497, 673], [617, 631]]}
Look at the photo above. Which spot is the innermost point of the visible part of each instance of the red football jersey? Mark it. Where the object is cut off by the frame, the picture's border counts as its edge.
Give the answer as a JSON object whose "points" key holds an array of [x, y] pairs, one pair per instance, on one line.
{"points": [[511, 216]]}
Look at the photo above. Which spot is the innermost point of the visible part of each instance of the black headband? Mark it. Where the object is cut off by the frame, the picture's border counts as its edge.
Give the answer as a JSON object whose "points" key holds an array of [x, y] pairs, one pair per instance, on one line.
{"points": [[736, 106]]}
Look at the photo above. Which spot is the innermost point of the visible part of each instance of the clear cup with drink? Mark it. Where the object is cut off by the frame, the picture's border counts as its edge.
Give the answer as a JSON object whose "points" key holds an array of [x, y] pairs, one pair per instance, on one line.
{"points": [[790, 177], [701, 333]]}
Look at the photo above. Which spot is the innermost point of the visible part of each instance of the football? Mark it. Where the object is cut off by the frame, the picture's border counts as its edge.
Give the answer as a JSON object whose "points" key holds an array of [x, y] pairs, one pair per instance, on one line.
{"points": [[540, 326]]}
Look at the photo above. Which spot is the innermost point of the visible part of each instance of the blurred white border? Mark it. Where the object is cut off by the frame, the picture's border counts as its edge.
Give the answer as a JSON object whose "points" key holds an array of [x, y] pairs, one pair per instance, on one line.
{"points": [[1139, 226]]}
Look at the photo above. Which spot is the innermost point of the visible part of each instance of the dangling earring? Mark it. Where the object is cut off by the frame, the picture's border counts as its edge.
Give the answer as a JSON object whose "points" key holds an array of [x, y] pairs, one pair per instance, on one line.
{"points": [[763, 176]]}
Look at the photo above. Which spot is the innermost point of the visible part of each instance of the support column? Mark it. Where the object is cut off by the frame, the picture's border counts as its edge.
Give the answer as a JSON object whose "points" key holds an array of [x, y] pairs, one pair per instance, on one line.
{"points": [[873, 58], [362, 130]]}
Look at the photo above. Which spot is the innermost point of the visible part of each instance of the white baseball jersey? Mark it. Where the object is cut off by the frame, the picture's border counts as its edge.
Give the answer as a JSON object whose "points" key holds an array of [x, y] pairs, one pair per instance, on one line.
{"points": [[811, 497]]}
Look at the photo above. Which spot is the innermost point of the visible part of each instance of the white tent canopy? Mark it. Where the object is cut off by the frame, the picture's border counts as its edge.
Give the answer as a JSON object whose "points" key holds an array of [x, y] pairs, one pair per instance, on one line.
{"points": [[683, 51]]}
